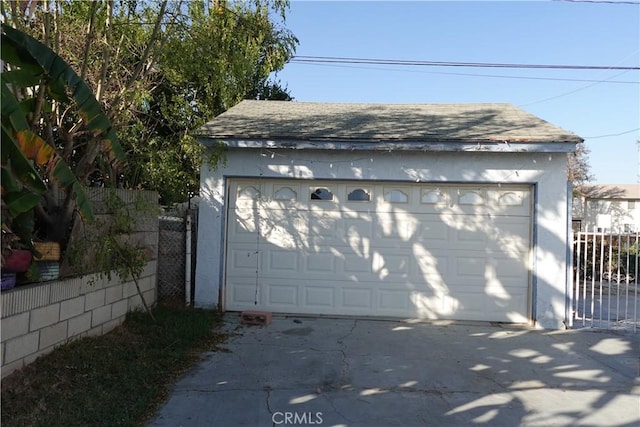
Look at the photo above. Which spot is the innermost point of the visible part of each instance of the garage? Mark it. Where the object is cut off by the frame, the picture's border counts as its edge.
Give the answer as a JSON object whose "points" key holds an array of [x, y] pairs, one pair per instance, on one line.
{"points": [[416, 211], [379, 249]]}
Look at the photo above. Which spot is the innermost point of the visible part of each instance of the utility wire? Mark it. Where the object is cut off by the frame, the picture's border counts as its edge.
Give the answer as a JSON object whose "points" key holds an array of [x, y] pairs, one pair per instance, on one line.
{"points": [[599, 1], [613, 134], [498, 76], [582, 87], [570, 92], [346, 60]]}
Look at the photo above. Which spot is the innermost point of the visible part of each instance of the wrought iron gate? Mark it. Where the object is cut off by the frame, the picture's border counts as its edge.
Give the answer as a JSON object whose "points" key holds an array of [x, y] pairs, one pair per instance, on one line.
{"points": [[605, 281]]}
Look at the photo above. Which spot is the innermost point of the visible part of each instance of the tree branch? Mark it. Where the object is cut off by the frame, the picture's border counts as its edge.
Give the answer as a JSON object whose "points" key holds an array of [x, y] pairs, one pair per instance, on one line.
{"points": [[116, 105], [88, 39], [106, 52]]}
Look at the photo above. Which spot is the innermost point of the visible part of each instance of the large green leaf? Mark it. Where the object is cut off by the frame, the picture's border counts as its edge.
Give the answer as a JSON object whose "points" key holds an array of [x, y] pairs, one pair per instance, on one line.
{"points": [[11, 109], [31, 51], [9, 181], [21, 201], [22, 78], [15, 162]]}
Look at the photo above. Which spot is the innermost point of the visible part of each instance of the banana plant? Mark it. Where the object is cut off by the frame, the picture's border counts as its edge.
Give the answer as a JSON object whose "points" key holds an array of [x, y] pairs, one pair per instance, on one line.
{"points": [[37, 78]]}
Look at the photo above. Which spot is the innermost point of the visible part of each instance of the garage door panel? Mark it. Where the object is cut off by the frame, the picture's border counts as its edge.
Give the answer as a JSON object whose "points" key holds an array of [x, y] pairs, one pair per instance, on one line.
{"points": [[320, 262], [400, 227], [471, 268], [510, 268], [360, 298], [511, 201], [241, 292], [471, 236], [281, 295], [357, 230], [357, 263], [391, 265], [432, 231], [247, 196], [448, 251], [395, 301], [244, 224], [282, 262], [321, 298], [243, 260]]}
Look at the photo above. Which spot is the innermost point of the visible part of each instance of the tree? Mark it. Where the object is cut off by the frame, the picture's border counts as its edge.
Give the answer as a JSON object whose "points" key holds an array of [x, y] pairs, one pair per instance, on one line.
{"points": [[33, 169], [578, 169], [215, 57], [159, 69]]}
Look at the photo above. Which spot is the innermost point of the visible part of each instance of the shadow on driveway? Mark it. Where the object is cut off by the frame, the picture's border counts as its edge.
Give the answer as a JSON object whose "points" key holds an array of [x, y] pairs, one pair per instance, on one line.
{"points": [[354, 372]]}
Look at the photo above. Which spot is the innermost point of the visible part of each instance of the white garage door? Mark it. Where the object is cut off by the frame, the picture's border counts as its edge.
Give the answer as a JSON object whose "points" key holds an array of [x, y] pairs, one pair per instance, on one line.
{"points": [[379, 249]]}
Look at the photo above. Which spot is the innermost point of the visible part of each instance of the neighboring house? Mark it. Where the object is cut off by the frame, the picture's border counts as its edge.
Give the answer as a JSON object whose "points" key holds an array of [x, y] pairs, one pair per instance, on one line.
{"points": [[428, 211], [611, 208]]}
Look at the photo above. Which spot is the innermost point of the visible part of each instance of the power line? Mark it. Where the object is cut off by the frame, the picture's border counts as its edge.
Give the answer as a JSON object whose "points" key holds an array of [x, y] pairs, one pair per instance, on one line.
{"points": [[569, 92], [599, 1], [613, 134], [582, 87], [499, 76], [346, 60]]}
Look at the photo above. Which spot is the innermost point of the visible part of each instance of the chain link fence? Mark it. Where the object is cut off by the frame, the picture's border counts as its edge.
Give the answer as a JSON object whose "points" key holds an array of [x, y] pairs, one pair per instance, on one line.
{"points": [[172, 253]]}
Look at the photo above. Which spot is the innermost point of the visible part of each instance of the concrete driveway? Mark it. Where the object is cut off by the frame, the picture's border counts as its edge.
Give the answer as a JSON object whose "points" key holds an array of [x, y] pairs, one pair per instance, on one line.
{"points": [[353, 372]]}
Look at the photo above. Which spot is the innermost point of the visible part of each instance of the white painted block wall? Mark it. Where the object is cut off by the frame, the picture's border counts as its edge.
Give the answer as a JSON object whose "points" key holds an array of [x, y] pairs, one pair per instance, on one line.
{"points": [[37, 318]]}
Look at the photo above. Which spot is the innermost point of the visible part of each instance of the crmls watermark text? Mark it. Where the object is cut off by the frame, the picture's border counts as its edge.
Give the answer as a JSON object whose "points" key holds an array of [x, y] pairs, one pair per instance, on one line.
{"points": [[297, 418]]}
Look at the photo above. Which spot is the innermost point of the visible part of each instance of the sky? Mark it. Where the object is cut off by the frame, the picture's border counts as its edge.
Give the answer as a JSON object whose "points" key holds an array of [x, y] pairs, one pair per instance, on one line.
{"points": [[603, 102]]}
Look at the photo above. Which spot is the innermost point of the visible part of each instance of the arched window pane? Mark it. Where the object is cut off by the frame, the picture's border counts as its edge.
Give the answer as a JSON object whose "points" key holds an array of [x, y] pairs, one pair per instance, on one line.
{"points": [[396, 196], [321, 194], [432, 197], [285, 193], [249, 193], [359, 195]]}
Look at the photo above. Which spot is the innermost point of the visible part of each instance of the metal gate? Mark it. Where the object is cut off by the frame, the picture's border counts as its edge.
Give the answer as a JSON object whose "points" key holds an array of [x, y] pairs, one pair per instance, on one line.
{"points": [[177, 255], [605, 281]]}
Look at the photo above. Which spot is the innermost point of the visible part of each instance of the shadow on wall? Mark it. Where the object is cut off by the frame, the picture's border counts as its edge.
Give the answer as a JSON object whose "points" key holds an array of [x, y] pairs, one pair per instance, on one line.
{"points": [[374, 248]]}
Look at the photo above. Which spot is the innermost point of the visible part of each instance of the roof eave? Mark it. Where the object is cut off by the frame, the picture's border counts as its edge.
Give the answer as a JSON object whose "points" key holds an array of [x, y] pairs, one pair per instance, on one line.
{"points": [[369, 145]]}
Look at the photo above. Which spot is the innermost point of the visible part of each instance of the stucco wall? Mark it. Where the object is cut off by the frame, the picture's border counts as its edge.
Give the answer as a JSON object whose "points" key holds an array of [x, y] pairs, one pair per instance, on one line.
{"points": [[546, 171]]}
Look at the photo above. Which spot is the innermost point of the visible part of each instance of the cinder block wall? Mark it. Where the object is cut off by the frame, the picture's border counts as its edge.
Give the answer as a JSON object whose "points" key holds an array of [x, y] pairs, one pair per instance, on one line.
{"points": [[39, 317]]}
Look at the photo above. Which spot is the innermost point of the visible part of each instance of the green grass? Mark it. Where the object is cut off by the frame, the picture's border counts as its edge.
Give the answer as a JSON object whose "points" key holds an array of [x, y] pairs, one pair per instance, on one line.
{"points": [[118, 379]]}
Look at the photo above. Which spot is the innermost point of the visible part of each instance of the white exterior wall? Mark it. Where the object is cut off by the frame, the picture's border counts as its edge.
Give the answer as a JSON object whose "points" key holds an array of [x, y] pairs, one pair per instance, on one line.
{"points": [[622, 218], [544, 170]]}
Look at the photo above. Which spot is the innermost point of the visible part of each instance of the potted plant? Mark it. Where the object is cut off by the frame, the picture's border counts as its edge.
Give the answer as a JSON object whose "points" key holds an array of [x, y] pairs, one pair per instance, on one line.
{"points": [[14, 258]]}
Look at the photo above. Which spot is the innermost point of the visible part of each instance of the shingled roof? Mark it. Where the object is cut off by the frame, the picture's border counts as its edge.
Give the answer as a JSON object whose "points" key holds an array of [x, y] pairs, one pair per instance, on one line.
{"points": [[423, 123]]}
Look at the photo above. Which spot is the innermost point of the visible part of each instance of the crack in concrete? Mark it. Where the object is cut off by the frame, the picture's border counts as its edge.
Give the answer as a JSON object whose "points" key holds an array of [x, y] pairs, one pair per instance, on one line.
{"points": [[268, 390], [345, 360], [344, 417], [355, 323]]}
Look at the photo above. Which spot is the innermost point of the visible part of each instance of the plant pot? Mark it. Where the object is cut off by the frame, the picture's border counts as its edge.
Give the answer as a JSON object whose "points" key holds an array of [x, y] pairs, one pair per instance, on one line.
{"points": [[50, 251], [8, 281], [18, 261], [49, 270]]}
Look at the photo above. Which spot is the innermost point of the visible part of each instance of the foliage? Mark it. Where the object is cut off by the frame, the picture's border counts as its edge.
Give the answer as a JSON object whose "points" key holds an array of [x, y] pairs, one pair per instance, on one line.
{"points": [[611, 256], [106, 380], [237, 48], [161, 69], [107, 245], [578, 169], [33, 166]]}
